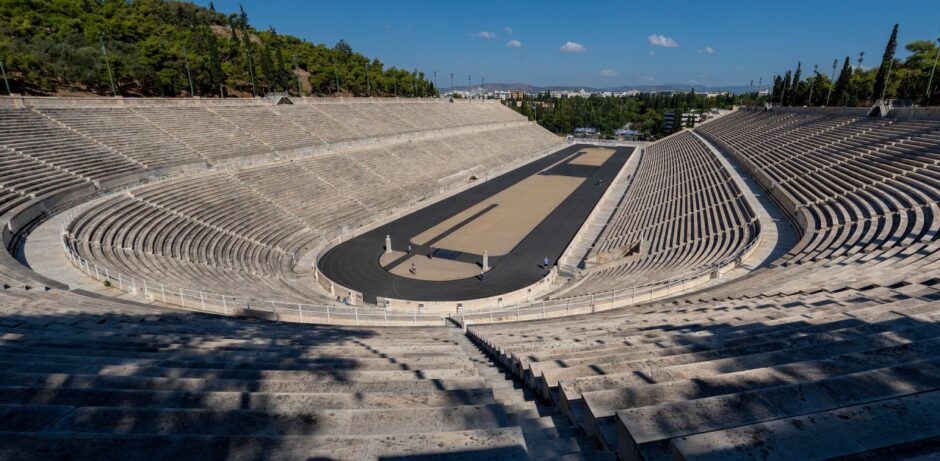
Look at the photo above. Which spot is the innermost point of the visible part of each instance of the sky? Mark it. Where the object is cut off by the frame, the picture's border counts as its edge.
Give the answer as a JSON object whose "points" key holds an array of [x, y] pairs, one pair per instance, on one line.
{"points": [[602, 43]]}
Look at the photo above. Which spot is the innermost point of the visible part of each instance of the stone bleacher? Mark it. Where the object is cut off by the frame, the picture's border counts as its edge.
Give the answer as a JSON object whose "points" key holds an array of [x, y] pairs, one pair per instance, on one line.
{"points": [[238, 233], [682, 212], [829, 353], [91, 377]]}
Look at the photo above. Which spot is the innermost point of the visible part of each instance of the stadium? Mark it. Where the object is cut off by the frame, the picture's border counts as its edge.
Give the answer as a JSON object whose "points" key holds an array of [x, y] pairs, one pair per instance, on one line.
{"points": [[360, 278]]}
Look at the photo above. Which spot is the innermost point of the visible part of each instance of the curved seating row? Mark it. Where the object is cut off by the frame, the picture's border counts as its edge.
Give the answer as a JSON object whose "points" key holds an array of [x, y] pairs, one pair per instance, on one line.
{"points": [[860, 184], [682, 210]]}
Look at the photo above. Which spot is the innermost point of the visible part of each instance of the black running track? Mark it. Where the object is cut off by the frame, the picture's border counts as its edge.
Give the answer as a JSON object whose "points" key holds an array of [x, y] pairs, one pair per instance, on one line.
{"points": [[355, 263]]}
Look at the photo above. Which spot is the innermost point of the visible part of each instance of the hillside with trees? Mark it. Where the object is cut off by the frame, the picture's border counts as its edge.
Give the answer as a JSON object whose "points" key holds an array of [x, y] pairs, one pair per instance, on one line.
{"points": [[168, 48]]}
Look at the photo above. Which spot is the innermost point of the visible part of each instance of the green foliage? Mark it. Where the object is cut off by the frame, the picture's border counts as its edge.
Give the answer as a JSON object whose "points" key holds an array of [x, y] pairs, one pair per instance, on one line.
{"points": [[840, 93], [886, 62], [54, 47], [908, 79], [642, 112]]}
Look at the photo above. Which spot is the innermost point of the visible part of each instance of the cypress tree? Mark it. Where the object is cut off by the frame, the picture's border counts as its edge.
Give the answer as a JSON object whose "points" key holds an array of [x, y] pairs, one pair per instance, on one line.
{"points": [[841, 90], [886, 59], [795, 87]]}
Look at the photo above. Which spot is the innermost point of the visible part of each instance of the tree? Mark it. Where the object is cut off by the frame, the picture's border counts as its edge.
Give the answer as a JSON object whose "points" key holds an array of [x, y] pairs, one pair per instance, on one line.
{"points": [[785, 88], [214, 65], [343, 48], [887, 61], [795, 87], [841, 90]]}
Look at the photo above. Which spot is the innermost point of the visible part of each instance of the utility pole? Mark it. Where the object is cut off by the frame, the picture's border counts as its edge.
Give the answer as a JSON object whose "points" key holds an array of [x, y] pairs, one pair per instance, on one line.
{"points": [[5, 81], [832, 80], [104, 52], [929, 81], [189, 75], [811, 85]]}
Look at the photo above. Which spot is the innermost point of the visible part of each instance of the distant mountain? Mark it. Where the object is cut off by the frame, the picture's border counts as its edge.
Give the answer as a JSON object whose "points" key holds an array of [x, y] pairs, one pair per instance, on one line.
{"points": [[617, 89]]}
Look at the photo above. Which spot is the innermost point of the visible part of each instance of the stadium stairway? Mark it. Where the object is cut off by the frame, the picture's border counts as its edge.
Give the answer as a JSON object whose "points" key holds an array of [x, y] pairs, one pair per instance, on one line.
{"points": [[99, 379], [548, 433]]}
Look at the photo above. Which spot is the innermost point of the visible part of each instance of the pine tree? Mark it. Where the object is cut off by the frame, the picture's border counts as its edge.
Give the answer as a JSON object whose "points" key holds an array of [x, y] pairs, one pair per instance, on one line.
{"points": [[886, 60], [841, 90], [785, 89]]}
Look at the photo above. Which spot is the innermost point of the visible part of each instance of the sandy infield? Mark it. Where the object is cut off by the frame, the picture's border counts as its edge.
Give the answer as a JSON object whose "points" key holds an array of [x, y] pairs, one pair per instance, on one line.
{"points": [[518, 210], [593, 156]]}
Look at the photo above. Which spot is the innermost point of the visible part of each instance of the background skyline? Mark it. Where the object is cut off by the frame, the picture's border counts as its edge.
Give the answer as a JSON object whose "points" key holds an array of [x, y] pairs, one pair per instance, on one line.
{"points": [[603, 44]]}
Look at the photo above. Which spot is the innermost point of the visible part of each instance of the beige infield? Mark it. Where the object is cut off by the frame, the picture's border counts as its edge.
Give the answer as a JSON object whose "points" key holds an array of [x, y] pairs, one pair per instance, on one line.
{"points": [[517, 211], [593, 156], [495, 225]]}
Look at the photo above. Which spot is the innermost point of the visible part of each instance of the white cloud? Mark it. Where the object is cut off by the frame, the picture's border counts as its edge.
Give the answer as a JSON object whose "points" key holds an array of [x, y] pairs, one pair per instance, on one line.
{"points": [[508, 30], [662, 40], [514, 44], [707, 50], [484, 35], [607, 73], [572, 47]]}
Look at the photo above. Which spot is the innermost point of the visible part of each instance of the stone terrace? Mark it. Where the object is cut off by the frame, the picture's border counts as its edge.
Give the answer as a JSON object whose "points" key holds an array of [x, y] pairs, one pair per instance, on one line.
{"points": [[829, 352]]}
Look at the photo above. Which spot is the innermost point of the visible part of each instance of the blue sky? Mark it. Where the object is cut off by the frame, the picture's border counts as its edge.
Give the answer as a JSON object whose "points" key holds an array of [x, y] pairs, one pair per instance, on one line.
{"points": [[611, 42]]}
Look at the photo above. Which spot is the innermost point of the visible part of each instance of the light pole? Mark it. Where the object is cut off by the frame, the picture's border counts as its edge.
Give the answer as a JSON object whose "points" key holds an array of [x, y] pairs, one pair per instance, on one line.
{"points": [[929, 81], [452, 84], [469, 96], [104, 52], [832, 80], [811, 85], [5, 81], [189, 75], [368, 83], [483, 88], [435, 82]]}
